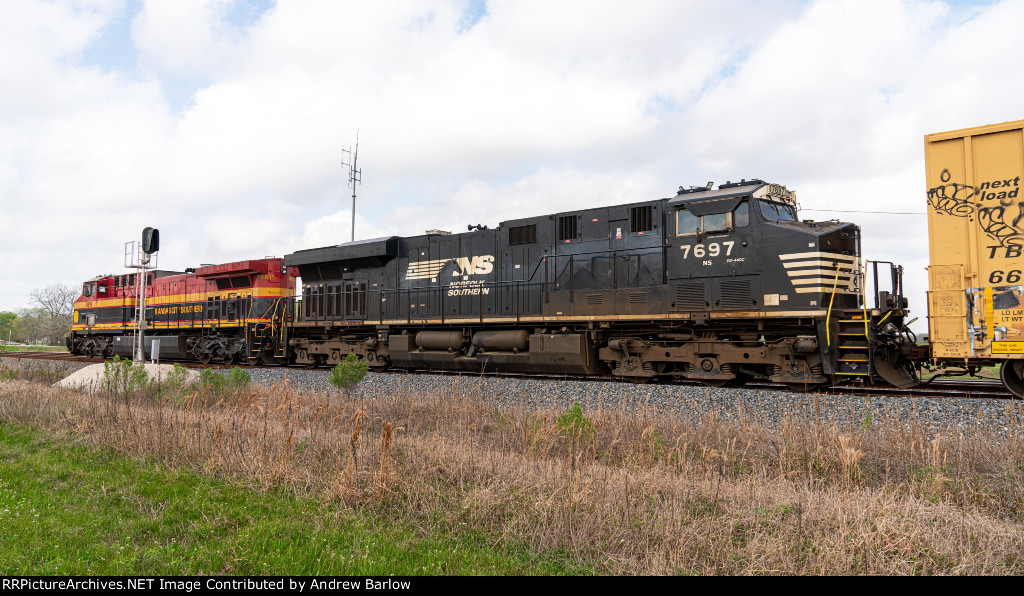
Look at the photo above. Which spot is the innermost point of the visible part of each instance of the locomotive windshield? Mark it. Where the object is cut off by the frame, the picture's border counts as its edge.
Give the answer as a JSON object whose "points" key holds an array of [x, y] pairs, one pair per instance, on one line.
{"points": [[773, 211]]}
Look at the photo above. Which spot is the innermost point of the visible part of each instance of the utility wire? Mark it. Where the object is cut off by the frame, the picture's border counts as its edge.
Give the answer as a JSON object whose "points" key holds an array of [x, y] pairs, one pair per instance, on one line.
{"points": [[879, 212]]}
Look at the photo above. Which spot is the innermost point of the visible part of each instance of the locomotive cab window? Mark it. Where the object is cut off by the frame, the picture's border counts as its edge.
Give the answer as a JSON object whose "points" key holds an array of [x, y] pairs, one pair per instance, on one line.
{"points": [[773, 211], [741, 215], [687, 223], [716, 222]]}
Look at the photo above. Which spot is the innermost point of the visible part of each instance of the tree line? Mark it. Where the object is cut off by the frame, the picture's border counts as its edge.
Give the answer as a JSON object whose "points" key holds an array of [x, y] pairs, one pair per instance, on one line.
{"points": [[46, 321]]}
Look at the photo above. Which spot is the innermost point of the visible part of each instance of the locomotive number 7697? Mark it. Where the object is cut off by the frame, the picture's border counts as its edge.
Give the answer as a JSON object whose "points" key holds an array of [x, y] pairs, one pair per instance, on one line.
{"points": [[711, 250]]}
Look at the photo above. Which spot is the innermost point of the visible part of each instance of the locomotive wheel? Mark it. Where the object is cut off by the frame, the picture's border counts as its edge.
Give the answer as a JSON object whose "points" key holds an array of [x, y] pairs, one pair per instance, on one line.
{"points": [[1011, 373], [206, 358], [231, 360]]}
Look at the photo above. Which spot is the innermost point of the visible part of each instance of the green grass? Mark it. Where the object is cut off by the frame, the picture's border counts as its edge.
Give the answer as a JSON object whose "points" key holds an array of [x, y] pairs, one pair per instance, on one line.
{"points": [[33, 349], [71, 509]]}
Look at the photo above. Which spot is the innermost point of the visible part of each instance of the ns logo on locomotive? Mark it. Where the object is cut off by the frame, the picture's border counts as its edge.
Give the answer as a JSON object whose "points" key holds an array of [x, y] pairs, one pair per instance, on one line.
{"points": [[718, 285]]}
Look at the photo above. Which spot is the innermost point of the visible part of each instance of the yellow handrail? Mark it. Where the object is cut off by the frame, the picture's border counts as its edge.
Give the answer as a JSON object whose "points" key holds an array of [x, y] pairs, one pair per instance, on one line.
{"points": [[864, 297], [828, 317]]}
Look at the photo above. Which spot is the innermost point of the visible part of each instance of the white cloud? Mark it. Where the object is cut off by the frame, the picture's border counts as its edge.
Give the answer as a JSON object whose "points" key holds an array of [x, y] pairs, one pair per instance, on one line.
{"points": [[335, 228], [187, 37]]}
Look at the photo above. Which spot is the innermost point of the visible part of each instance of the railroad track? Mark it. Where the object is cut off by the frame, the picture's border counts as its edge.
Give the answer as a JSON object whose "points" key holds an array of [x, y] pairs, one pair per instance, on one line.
{"points": [[66, 357], [938, 388]]}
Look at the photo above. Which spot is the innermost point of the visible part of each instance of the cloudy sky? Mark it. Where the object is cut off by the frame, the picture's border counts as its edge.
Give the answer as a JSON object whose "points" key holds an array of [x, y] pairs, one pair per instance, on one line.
{"points": [[222, 122]]}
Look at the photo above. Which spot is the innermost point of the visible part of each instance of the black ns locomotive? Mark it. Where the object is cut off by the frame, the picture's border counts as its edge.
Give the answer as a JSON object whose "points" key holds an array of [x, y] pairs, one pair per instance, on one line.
{"points": [[717, 285]]}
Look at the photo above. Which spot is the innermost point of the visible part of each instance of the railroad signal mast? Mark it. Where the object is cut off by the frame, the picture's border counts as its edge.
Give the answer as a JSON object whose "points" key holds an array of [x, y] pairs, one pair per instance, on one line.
{"points": [[142, 256], [355, 176]]}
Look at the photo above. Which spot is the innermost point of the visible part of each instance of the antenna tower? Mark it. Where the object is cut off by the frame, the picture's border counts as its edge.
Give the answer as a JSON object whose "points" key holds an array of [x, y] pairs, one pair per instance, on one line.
{"points": [[355, 176]]}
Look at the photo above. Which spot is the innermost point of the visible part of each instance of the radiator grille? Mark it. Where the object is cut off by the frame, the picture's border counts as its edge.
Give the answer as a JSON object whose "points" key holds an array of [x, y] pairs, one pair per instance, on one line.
{"points": [[567, 227], [641, 219], [522, 234], [690, 296], [735, 294]]}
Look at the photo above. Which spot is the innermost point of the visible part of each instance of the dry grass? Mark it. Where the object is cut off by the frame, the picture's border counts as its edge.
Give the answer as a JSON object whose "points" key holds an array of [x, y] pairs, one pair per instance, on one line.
{"points": [[623, 493]]}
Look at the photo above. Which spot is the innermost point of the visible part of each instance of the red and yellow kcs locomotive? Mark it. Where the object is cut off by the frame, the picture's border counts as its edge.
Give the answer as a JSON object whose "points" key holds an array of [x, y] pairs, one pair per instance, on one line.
{"points": [[230, 313]]}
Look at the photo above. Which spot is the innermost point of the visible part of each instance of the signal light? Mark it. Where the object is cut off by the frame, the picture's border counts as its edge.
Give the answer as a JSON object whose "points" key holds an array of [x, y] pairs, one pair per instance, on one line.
{"points": [[150, 240]]}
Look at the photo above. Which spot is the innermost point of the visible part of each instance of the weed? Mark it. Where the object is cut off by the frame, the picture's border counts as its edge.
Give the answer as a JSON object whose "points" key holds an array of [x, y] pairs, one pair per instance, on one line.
{"points": [[212, 381], [239, 379], [177, 378], [573, 424], [346, 374], [123, 377], [654, 444]]}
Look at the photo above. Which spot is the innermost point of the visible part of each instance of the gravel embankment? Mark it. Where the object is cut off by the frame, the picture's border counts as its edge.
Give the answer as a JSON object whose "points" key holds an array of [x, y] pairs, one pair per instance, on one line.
{"points": [[32, 363], [770, 407]]}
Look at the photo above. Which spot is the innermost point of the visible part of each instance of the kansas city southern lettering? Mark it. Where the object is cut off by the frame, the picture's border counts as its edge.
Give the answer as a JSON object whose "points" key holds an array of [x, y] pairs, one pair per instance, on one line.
{"points": [[179, 310]]}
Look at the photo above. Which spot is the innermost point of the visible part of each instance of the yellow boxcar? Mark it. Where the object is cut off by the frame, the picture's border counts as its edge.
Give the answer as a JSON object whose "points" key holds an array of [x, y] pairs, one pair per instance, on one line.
{"points": [[976, 233]]}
